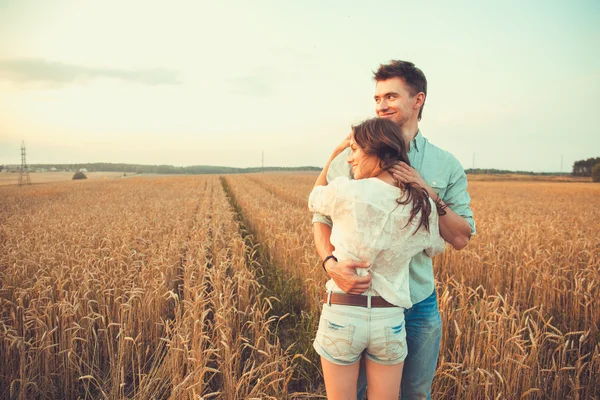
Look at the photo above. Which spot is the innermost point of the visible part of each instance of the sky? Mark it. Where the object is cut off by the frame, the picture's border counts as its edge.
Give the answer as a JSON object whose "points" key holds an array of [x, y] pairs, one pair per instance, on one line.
{"points": [[511, 85]]}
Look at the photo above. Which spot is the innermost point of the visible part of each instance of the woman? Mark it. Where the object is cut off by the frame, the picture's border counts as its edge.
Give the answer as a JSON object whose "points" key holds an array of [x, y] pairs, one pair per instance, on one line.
{"points": [[376, 221]]}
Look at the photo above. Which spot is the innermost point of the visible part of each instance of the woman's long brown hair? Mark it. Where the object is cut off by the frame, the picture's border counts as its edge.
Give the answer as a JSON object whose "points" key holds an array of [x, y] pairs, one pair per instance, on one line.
{"points": [[382, 138]]}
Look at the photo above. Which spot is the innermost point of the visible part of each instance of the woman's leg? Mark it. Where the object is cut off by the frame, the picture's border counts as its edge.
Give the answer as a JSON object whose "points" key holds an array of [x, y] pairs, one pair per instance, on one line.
{"points": [[383, 380], [340, 380]]}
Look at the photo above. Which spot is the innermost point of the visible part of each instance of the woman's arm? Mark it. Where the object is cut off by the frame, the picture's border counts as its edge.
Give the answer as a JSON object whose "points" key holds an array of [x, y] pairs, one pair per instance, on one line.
{"points": [[343, 273], [322, 179]]}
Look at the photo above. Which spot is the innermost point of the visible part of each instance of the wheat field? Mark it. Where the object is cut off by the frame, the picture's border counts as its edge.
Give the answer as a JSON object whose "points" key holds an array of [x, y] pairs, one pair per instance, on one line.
{"points": [[208, 287]]}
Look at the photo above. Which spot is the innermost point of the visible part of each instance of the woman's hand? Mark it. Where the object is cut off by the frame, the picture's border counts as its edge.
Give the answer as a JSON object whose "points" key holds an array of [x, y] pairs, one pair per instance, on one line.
{"points": [[322, 179], [343, 145]]}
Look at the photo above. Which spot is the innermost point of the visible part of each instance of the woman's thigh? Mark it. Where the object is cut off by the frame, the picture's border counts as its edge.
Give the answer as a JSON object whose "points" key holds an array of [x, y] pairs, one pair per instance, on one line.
{"points": [[340, 380], [383, 380]]}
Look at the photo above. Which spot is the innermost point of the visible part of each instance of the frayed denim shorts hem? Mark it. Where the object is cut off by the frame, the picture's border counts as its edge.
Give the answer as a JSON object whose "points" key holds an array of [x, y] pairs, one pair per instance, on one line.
{"points": [[323, 353]]}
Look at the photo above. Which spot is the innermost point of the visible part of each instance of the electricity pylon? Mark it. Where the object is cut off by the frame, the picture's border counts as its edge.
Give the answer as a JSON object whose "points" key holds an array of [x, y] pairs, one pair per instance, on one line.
{"points": [[24, 178]]}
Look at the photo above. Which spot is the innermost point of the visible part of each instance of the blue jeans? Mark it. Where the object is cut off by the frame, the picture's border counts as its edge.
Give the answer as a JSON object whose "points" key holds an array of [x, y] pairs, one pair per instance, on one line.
{"points": [[423, 335]]}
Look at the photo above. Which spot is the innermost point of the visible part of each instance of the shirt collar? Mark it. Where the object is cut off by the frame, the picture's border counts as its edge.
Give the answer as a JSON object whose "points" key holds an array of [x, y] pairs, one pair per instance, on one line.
{"points": [[417, 142]]}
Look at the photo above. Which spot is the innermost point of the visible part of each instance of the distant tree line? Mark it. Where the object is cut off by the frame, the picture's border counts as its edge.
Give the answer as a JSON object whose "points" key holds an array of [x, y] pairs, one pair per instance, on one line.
{"points": [[584, 167], [492, 171], [580, 168], [164, 169]]}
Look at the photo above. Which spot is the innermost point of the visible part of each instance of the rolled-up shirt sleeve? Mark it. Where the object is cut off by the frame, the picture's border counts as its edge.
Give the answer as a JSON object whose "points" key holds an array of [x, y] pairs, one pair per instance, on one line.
{"points": [[324, 219], [437, 245], [458, 198]]}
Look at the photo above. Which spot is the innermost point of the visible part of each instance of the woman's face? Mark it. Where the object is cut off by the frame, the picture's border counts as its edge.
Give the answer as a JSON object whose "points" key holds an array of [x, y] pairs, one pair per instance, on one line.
{"points": [[363, 165]]}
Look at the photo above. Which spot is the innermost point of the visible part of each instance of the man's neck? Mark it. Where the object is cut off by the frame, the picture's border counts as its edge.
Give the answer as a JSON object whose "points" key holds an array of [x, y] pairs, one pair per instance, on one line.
{"points": [[409, 131]]}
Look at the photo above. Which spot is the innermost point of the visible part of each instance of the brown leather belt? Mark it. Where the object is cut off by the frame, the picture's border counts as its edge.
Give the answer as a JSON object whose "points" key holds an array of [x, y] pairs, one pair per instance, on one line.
{"points": [[356, 300]]}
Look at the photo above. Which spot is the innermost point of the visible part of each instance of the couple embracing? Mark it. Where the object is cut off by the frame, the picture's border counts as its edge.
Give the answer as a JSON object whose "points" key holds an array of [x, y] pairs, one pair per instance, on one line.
{"points": [[386, 202]]}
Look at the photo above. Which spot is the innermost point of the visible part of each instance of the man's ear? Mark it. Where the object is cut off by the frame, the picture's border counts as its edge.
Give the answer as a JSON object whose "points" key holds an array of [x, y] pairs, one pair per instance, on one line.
{"points": [[419, 100]]}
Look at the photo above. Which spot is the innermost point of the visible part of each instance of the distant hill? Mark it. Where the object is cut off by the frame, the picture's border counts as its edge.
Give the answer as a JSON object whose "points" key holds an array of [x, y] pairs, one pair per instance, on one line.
{"points": [[160, 169]]}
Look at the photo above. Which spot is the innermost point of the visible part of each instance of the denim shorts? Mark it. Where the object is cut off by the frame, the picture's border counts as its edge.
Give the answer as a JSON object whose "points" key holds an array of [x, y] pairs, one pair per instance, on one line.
{"points": [[347, 332]]}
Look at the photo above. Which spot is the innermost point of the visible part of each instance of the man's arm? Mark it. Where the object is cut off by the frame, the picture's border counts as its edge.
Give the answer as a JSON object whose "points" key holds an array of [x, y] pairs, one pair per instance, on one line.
{"points": [[454, 228], [343, 273]]}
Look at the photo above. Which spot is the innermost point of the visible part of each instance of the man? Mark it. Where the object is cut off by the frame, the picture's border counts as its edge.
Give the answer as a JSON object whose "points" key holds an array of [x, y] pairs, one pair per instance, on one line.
{"points": [[400, 94]]}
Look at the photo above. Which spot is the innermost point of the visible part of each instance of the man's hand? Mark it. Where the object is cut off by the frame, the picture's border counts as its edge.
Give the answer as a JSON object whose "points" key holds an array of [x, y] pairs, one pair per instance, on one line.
{"points": [[344, 275], [454, 229], [403, 173]]}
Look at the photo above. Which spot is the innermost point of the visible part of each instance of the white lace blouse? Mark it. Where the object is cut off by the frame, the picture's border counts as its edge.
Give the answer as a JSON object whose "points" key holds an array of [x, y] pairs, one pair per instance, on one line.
{"points": [[369, 225]]}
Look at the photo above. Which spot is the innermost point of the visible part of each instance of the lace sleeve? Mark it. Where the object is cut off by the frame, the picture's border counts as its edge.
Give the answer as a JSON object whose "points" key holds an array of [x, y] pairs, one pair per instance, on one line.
{"points": [[325, 199]]}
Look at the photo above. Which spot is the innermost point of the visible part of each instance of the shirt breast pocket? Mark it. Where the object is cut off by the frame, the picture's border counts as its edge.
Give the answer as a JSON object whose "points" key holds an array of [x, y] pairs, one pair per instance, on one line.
{"points": [[439, 186]]}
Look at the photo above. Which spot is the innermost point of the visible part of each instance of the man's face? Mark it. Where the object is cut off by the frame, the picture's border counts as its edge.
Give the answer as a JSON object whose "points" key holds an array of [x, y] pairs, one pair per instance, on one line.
{"points": [[393, 101]]}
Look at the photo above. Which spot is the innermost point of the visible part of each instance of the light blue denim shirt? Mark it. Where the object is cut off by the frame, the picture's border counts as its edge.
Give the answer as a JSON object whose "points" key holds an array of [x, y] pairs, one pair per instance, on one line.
{"points": [[440, 170]]}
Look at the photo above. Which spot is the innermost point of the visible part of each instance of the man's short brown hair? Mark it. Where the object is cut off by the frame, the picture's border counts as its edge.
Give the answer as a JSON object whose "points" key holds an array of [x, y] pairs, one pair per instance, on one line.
{"points": [[413, 77]]}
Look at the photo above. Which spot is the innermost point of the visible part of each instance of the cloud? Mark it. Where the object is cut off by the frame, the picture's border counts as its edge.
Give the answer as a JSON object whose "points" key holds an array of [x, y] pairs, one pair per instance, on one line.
{"points": [[260, 84], [36, 70]]}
